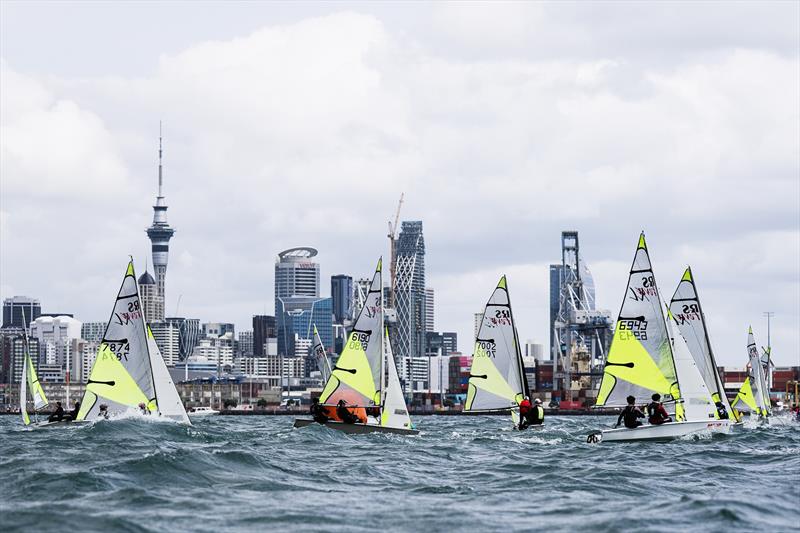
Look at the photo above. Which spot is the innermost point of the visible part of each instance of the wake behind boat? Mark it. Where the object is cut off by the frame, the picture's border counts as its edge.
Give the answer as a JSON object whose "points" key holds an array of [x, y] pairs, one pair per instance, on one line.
{"points": [[362, 393]]}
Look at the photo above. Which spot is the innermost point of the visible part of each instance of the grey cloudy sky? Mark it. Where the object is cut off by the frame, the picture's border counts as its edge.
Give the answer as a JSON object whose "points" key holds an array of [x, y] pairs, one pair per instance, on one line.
{"points": [[504, 124]]}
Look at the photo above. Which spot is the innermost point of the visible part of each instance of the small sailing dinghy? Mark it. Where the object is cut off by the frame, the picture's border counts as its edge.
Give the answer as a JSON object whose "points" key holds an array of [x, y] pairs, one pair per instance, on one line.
{"points": [[685, 307], [30, 381], [321, 357], [129, 370], [497, 376], [365, 377], [751, 398], [646, 357]]}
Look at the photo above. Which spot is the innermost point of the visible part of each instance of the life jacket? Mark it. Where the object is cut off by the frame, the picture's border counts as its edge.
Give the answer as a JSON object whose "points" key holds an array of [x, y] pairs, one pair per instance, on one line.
{"points": [[538, 414]]}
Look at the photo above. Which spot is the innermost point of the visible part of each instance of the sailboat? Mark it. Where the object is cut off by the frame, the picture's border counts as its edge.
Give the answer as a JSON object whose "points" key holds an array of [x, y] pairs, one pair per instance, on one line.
{"points": [[30, 380], [751, 397], [685, 307], [365, 376], [129, 370], [321, 357], [497, 376], [646, 357]]}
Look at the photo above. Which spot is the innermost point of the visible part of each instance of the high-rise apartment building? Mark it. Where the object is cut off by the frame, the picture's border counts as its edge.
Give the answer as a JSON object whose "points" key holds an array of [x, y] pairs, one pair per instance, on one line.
{"points": [[55, 335], [93, 331], [167, 337], [342, 295], [20, 311], [12, 354], [152, 302], [296, 291], [430, 324], [410, 291], [264, 328], [159, 234], [246, 343]]}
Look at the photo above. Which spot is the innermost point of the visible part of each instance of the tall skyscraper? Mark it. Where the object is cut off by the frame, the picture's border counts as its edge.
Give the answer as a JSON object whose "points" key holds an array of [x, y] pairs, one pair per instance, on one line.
{"points": [[296, 288], [556, 276], [410, 291], [188, 334], [429, 310], [20, 311], [152, 303], [342, 294], [263, 329], [159, 234]]}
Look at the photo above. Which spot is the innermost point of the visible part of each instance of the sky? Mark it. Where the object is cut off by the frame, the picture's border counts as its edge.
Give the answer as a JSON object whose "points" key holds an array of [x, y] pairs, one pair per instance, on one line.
{"points": [[300, 124]]}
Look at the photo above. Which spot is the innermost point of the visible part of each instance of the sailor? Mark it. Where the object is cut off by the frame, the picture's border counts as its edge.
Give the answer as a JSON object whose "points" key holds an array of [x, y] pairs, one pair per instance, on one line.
{"points": [[630, 414], [721, 411], [73, 415], [143, 408], [318, 412], [655, 409], [536, 415], [524, 411], [58, 414], [344, 413], [103, 411]]}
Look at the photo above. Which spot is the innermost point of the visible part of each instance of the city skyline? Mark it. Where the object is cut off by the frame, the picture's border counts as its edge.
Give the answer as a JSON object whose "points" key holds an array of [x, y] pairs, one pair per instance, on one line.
{"points": [[248, 178]]}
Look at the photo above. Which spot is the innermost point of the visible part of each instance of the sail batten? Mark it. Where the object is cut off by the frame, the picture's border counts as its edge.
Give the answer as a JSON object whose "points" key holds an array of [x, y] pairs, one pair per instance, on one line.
{"points": [[497, 379]]}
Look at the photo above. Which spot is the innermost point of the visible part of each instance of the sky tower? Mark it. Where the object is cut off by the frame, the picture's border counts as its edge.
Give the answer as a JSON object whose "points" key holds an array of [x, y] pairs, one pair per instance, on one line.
{"points": [[159, 234]]}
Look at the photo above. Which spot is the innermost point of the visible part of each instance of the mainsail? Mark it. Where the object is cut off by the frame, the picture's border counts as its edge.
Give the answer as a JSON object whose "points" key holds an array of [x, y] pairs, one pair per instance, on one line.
{"points": [[685, 308], [321, 357], [497, 377], [358, 373], [639, 361], [125, 372], [30, 380], [762, 394], [745, 401], [394, 412]]}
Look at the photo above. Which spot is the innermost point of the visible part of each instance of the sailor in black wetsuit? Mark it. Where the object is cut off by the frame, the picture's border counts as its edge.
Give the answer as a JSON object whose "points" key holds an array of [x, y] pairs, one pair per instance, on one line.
{"points": [[73, 415], [318, 412], [58, 415], [344, 413], [630, 415], [721, 411]]}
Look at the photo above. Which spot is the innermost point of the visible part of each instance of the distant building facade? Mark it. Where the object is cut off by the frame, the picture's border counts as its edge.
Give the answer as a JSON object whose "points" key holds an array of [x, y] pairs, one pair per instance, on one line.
{"points": [[188, 334], [430, 323], [152, 301], [264, 327], [342, 296], [410, 291], [20, 311]]}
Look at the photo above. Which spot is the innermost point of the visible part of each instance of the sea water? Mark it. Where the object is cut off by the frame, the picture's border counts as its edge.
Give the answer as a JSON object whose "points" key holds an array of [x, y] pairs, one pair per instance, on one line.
{"points": [[247, 473]]}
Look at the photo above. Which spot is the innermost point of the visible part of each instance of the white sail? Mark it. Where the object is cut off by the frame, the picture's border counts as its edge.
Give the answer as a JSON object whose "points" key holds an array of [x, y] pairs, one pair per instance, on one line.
{"points": [[23, 393], [321, 357], [760, 387], [695, 403], [168, 400], [394, 412], [639, 360], [685, 308], [497, 378]]}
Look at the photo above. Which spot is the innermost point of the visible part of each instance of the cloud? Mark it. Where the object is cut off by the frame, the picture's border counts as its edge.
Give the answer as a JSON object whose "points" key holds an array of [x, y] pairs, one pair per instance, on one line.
{"points": [[503, 126]]}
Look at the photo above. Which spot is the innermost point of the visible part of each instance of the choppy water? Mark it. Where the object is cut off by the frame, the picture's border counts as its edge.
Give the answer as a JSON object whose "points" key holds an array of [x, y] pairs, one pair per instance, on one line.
{"points": [[461, 473]]}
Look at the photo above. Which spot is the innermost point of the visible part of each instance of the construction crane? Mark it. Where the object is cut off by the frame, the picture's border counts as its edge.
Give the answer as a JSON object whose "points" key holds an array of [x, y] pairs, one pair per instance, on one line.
{"points": [[393, 250]]}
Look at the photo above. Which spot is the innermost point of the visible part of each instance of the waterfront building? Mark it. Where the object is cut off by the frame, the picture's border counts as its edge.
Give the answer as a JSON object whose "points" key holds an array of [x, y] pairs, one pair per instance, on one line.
{"points": [[264, 327], [414, 372], [55, 335], [246, 343], [409, 338], [430, 324], [296, 318], [159, 234], [167, 337], [20, 311], [447, 342], [93, 331], [188, 334], [259, 367], [218, 350], [12, 353], [216, 329], [152, 301], [342, 296]]}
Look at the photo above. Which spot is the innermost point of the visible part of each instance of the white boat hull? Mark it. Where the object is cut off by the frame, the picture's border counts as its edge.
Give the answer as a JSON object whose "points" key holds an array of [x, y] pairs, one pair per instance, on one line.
{"points": [[203, 413], [662, 432], [355, 428]]}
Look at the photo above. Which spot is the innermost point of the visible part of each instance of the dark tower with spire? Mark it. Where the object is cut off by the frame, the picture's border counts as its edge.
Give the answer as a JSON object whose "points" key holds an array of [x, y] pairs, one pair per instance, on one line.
{"points": [[160, 233]]}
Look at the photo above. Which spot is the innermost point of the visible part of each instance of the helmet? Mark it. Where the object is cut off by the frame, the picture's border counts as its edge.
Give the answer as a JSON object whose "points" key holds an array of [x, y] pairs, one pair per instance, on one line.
{"points": [[537, 401]]}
